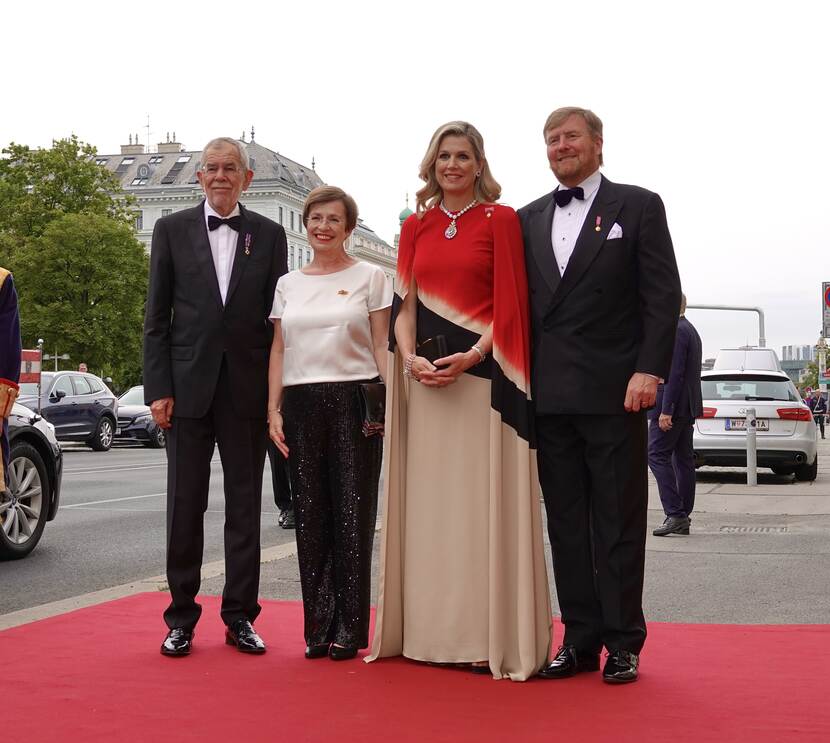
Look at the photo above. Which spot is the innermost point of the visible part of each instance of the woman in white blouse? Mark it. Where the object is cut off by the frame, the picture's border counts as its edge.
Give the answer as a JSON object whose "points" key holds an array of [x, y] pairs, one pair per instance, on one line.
{"points": [[331, 327]]}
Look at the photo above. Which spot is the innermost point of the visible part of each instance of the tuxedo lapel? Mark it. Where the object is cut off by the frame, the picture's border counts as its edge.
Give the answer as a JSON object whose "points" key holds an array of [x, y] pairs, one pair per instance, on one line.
{"points": [[541, 245], [603, 212], [248, 229], [198, 237]]}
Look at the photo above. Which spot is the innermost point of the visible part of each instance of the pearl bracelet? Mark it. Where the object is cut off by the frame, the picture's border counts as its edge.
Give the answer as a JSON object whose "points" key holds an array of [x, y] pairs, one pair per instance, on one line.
{"points": [[407, 365], [481, 353]]}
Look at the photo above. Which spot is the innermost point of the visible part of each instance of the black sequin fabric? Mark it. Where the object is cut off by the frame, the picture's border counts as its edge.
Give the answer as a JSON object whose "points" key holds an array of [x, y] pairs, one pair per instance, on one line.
{"points": [[334, 472]]}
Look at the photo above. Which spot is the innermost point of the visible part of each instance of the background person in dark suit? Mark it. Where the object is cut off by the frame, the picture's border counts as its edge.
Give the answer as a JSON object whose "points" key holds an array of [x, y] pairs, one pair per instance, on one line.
{"points": [[604, 293], [10, 354], [671, 454], [213, 270]]}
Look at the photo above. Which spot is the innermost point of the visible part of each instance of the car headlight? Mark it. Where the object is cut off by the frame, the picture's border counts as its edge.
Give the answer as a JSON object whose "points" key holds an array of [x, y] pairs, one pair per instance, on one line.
{"points": [[144, 418]]}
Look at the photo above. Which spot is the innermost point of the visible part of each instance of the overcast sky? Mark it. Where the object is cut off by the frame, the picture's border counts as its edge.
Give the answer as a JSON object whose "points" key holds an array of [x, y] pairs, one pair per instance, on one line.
{"points": [[720, 107]]}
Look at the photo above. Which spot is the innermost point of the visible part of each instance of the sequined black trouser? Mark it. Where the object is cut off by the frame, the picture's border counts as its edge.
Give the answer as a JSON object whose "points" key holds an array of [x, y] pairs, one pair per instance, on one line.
{"points": [[334, 479]]}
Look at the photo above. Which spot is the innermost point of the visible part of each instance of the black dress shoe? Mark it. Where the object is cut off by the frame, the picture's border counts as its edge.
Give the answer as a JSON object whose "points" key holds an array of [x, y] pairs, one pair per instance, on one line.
{"points": [[286, 519], [340, 653], [568, 661], [620, 667], [317, 651], [179, 641], [242, 634], [673, 525]]}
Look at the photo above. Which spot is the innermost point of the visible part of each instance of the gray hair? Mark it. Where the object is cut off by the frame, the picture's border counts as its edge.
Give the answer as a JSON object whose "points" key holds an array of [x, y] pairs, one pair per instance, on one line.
{"points": [[682, 304], [220, 142]]}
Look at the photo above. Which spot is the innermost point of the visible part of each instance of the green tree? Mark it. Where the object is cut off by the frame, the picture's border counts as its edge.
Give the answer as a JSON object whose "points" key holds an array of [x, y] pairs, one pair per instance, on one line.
{"points": [[38, 186], [811, 377], [82, 284]]}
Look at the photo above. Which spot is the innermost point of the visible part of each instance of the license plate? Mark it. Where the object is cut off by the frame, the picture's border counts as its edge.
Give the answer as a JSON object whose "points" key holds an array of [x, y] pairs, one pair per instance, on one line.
{"points": [[739, 424], [117, 431]]}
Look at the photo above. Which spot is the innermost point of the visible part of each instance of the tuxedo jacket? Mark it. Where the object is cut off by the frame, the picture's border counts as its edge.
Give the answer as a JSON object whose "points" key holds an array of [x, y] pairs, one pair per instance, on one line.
{"points": [[187, 330], [613, 311], [681, 396]]}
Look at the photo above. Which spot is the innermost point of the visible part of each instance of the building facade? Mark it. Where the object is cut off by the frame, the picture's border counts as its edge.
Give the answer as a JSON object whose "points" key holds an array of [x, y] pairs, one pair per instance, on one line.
{"points": [[798, 353], [164, 182]]}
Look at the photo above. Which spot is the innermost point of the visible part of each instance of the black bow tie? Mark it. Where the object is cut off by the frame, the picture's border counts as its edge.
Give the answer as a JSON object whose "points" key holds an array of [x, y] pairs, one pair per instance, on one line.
{"points": [[563, 196], [215, 222]]}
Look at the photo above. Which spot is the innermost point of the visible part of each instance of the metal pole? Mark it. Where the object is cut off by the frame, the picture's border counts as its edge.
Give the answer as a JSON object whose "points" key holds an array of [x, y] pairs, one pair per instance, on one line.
{"points": [[762, 341], [751, 448], [39, 373]]}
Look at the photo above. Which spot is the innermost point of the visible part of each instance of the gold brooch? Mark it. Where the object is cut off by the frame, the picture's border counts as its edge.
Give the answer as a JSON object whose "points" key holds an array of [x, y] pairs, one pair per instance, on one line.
{"points": [[343, 292]]}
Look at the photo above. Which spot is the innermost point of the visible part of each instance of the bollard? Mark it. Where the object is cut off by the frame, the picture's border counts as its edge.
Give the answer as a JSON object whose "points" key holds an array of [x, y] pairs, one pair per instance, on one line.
{"points": [[751, 448]]}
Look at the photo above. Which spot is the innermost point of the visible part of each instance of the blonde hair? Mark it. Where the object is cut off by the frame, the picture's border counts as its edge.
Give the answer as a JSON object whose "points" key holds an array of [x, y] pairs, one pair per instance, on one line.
{"points": [[487, 189], [560, 115], [327, 194]]}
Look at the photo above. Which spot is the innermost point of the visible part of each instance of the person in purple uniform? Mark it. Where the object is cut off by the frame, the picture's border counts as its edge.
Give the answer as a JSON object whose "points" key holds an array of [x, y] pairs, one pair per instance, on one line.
{"points": [[9, 364], [671, 454]]}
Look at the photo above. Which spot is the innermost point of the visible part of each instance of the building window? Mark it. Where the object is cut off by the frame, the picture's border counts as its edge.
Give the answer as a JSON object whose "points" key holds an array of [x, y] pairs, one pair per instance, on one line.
{"points": [[291, 265], [139, 221], [139, 181], [300, 258], [166, 212], [307, 256], [155, 159], [280, 217], [292, 219], [101, 160]]}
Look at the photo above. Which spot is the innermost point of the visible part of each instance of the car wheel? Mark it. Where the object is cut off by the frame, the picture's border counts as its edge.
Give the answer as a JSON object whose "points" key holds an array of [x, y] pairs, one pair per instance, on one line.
{"points": [[783, 470], [23, 508], [102, 440], [807, 472], [157, 439]]}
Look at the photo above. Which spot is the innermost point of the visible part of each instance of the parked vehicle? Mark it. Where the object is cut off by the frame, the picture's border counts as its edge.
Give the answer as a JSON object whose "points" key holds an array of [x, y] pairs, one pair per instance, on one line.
{"points": [[135, 422], [785, 430], [747, 357], [79, 405], [35, 470]]}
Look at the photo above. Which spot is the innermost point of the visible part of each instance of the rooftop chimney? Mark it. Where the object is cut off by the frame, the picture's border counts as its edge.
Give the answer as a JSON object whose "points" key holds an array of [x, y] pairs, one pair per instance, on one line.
{"points": [[132, 149], [168, 146]]}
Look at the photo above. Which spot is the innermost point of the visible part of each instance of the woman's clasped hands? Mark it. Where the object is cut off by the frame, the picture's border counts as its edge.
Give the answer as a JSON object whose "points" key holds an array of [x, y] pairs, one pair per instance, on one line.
{"points": [[445, 370]]}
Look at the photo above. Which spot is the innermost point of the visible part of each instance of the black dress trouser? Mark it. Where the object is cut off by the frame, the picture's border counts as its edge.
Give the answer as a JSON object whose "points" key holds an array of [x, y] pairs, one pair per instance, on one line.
{"points": [[593, 474], [190, 446], [334, 478]]}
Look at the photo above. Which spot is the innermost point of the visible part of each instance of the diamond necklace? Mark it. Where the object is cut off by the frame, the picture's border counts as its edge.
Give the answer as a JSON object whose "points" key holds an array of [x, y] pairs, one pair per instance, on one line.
{"points": [[452, 229]]}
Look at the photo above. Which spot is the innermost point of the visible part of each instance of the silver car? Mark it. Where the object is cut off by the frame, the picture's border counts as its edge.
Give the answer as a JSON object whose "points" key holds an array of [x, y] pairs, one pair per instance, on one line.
{"points": [[786, 432]]}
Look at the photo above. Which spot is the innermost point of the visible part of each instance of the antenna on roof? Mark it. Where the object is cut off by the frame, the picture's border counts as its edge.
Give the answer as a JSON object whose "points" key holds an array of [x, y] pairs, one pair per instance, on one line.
{"points": [[147, 127], [313, 164]]}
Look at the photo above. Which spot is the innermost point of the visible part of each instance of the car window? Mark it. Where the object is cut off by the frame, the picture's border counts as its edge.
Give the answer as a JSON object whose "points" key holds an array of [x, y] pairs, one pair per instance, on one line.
{"points": [[63, 384], [748, 387], [134, 396], [81, 385], [94, 384]]}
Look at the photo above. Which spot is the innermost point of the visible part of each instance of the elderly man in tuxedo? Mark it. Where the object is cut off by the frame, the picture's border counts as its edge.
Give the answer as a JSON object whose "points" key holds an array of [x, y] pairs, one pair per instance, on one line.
{"points": [[604, 293], [213, 270], [671, 452]]}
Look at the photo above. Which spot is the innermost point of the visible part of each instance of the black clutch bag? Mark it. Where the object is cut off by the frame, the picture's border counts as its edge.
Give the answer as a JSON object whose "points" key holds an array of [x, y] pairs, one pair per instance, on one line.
{"points": [[433, 348], [372, 399]]}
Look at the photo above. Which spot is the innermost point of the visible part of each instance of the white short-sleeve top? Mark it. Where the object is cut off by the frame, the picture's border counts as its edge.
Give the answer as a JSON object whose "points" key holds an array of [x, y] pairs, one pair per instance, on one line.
{"points": [[325, 323]]}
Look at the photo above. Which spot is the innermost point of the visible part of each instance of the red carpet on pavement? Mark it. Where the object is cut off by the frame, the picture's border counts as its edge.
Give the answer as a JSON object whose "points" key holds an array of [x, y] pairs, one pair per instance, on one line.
{"points": [[96, 675]]}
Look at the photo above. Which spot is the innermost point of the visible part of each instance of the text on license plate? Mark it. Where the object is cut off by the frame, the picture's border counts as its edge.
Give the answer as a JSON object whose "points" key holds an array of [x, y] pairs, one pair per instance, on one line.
{"points": [[739, 424]]}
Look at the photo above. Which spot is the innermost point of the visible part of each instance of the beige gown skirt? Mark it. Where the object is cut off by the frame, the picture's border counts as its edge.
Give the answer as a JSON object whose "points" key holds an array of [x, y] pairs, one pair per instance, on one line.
{"points": [[462, 574]]}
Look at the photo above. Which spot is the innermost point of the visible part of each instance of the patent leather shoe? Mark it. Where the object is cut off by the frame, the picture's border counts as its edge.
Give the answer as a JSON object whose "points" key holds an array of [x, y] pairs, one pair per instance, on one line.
{"points": [[179, 641], [620, 667], [569, 661], [321, 650], [336, 652], [241, 633], [673, 525]]}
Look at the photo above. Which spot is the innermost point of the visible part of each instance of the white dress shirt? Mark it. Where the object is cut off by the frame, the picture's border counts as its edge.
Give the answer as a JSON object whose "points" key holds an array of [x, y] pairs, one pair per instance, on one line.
{"points": [[568, 221], [222, 247]]}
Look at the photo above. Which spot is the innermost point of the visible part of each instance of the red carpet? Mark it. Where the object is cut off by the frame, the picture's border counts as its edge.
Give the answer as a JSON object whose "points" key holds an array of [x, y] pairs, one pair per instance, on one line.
{"points": [[96, 675]]}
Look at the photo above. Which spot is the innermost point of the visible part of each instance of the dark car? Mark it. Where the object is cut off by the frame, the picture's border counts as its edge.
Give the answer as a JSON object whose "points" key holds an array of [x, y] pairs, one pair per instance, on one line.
{"points": [[79, 405], [35, 469], [135, 422]]}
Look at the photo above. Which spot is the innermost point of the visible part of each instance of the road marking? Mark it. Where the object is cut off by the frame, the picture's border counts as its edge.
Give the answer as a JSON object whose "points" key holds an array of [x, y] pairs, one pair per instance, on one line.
{"points": [[142, 585], [125, 469], [111, 500]]}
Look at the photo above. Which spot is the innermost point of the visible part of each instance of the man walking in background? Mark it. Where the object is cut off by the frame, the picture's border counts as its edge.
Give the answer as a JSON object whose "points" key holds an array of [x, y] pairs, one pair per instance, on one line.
{"points": [[671, 454]]}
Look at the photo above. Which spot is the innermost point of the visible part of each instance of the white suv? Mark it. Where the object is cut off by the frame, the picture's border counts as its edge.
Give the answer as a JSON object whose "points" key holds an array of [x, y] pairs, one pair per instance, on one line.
{"points": [[786, 433]]}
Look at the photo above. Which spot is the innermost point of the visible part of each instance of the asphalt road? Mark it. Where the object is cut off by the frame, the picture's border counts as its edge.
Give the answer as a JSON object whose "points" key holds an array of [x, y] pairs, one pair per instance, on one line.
{"points": [[110, 528]]}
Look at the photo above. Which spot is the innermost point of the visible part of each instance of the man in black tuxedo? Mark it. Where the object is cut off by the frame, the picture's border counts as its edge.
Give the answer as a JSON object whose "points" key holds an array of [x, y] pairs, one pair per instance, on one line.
{"points": [[671, 451], [604, 294], [213, 270]]}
